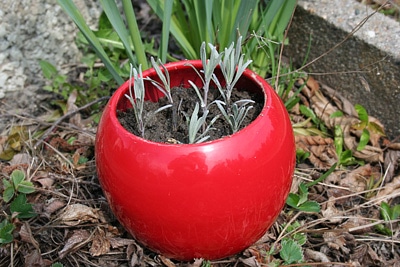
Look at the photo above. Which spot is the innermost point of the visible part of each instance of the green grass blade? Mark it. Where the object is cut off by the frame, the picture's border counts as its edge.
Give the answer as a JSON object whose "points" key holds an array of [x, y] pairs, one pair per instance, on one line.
{"points": [[282, 18], [72, 11], [135, 33], [224, 21], [114, 16], [269, 14], [202, 12], [243, 19], [179, 33], [165, 30]]}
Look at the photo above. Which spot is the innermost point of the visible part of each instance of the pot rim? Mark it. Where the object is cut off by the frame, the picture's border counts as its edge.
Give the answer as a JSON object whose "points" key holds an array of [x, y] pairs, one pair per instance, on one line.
{"points": [[249, 74]]}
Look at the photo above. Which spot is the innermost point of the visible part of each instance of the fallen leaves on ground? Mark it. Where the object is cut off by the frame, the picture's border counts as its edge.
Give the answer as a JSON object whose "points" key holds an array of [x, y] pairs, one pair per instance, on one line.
{"points": [[75, 225]]}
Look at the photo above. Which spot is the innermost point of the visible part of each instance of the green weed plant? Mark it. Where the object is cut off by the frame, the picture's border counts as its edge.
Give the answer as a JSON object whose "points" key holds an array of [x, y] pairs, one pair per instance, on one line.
{"points": [[15, 190]]}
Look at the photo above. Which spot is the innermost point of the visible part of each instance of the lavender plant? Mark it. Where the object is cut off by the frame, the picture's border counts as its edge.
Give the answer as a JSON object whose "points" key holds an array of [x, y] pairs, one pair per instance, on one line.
{"points": [[209, 66], [165, 87], [137, 98], [195, 123], [236, 114], [232, 67]]}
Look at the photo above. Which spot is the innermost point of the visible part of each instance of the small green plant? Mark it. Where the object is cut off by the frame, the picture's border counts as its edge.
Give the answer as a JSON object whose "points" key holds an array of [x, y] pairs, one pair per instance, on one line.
{"points": [[232, 67], [300, 200], [91, 90], [15, 189], [301, 155], [17, 184], [310, 114], [345, 156], [366, 126], [59, 83], [293, 233], [137, 97], [388, 214], [6, 230], [196, 123], [291, 252], [209, 66]]}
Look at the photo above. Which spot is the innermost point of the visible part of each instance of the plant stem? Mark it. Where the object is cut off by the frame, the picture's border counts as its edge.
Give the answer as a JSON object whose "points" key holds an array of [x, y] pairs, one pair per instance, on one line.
{"points": [[135, 33]]}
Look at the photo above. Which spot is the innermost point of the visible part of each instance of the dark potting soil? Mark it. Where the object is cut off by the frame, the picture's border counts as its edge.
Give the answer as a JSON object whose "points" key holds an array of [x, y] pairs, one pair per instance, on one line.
{"points": [[161, 127]]}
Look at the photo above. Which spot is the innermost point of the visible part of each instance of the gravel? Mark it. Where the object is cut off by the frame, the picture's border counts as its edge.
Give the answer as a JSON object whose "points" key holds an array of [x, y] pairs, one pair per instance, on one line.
{"points": [[31, 30]]}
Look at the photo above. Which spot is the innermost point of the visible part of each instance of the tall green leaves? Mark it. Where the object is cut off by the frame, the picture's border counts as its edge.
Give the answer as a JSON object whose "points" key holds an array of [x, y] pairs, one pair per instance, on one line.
{"points": [[72, 11], [220, 22], [193, 22], [128, 33]]}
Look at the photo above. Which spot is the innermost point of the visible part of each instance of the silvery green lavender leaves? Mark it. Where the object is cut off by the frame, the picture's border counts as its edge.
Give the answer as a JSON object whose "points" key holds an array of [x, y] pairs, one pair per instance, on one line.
{"points": [[232, 65]]}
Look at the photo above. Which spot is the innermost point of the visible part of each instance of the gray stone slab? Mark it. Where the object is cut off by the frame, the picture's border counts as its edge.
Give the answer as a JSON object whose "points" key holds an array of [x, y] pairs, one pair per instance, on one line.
{"points": [[365, 68]]}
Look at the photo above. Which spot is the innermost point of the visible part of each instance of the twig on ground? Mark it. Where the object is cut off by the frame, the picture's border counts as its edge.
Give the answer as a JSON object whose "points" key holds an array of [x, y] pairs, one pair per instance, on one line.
{"points": [[69, 114]]}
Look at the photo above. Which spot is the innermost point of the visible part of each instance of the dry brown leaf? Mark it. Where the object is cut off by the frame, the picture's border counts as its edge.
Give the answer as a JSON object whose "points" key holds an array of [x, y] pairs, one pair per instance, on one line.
{"points": [[26, 235], [252, 262], [331, 213], [336, 241], [356, 180], [312, 84], [196, 263], [343, 103], [44, 179], [21, 158], [12, 144], [135, 254], [315, 256], [34, 259], [334, 177], [78, 238], [391, 163], [322, 150], [391, 190], [117, 242], [394, 146], [366, 256], [53, 205], [76, 214], [76, 118], [358, 225], [167, 262], [339, 195], [100, 243]]}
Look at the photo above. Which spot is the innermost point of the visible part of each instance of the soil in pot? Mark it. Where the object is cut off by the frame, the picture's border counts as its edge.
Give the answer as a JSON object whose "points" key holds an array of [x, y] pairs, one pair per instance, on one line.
{"points": [[171, 126]]}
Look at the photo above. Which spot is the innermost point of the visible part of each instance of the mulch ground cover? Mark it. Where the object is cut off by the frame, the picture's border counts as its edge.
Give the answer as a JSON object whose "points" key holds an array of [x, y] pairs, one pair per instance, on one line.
{"points": [[74, 225]]}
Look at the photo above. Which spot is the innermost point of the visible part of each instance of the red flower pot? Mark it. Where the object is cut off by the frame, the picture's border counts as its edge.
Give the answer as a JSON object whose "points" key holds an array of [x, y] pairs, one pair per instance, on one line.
{"points": [[208, 200]]}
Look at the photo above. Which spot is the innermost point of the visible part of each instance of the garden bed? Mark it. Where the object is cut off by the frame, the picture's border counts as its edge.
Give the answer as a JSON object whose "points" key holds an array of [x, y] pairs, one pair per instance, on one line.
{"points": [[53, 145]]}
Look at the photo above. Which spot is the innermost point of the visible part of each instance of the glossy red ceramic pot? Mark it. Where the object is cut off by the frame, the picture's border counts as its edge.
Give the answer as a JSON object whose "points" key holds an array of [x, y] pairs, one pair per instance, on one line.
{"points": [[208, 200]]}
